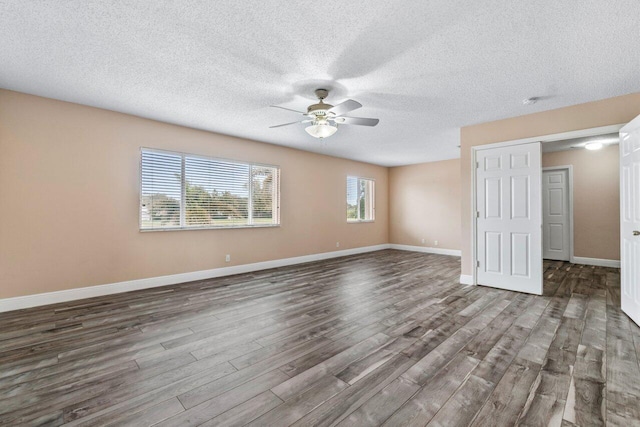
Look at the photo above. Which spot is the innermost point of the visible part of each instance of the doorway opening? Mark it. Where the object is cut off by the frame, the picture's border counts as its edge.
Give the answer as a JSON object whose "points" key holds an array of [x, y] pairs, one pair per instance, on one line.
{"points": [[557, 212], [495, 234], [580, 200]]}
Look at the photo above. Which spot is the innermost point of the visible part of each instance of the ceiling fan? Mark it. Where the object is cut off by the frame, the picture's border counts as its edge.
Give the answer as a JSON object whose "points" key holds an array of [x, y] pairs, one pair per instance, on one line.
{"points": [[324, 118]]}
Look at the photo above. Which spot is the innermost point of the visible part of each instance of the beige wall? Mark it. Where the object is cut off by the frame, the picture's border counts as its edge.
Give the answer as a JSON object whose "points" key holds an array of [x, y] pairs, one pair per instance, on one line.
{"points": [[424, 203], [584, 116], [596, 200], [70, 176], [69, 195]]}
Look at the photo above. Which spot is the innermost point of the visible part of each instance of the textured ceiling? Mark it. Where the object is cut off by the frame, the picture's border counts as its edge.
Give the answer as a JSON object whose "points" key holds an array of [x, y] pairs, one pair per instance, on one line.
{"points": [[424, 68]]}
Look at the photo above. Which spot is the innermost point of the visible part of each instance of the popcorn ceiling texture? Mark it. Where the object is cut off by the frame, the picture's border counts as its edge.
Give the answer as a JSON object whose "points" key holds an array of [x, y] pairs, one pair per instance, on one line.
{"points": [[424, 68]]}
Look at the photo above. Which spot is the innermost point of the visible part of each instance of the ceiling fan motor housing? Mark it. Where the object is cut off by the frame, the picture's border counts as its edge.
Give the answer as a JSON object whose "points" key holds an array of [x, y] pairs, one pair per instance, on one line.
{"points": [[320, 109], [321, 94]]}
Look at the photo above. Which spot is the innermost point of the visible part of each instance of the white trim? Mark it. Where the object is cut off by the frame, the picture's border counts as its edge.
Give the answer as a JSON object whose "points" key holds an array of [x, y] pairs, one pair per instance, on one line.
{"points": [[569, 169], [614, 263], [635, 123], [427, 250], [17, 303], [466, 279], [582, 133], [474, 216]]}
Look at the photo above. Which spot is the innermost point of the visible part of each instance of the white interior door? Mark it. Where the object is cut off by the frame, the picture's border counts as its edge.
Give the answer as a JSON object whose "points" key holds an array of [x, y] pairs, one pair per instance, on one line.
{"points": [[555, 215], [630, 218], [509, 218]]}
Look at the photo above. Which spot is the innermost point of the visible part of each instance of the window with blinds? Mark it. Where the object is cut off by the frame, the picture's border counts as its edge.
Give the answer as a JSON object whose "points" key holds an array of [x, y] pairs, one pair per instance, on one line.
{"points": [[360, 199], [184, 191]]}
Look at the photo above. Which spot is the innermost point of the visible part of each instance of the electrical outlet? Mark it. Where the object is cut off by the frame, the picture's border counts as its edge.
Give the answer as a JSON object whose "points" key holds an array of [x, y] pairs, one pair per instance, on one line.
{"points": [[423, 241], [227, 258], [337, 244], [435, 243]]}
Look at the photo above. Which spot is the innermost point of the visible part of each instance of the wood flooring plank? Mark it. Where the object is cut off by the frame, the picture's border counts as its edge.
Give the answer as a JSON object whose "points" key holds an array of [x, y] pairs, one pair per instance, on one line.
{"points": [[57, 372], [462, 407], [22, 366], [499, 358], [435, 359], [202, 393], [301, 404], [351, 398], [382, 405], [542, 410], [121, 391], [151, 416], [564, 347], [424, 405], [577, 306], [223, 402], [623, 373], [389, 338], [245, 412], [536, 347], [585, 403], [19, 408], [359, 369], [510, 395], [139, 402], [73, 343], [332, 365], [273, 350], [74, 379], [486, 339]]}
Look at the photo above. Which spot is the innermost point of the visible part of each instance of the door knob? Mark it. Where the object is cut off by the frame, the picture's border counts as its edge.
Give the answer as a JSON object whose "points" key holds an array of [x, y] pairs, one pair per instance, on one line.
{"points": [[636, 233]]}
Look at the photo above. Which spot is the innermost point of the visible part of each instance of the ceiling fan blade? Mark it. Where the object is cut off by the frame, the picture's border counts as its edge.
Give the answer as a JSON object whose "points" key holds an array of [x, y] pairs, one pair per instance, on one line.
{"points": [[292, 123], [285, 124], [362, 121], [345, 107], [288, 109]]}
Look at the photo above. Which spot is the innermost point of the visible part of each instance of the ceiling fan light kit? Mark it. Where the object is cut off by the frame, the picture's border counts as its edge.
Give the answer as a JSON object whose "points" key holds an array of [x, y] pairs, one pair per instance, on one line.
{"points": [[321, 130], [324, 118]]}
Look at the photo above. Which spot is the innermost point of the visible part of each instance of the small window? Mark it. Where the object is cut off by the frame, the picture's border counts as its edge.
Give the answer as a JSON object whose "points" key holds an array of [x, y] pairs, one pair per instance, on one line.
{"points": [[184, 191], [360, 199]]}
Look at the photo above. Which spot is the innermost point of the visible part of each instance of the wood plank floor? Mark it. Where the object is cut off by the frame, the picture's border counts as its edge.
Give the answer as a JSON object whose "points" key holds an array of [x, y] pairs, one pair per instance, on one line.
{"points": [[388, 338]]}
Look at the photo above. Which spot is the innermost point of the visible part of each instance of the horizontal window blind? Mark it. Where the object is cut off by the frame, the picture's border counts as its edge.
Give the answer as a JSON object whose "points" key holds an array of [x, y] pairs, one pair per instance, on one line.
{"points": [[161, 190], [183, 191], [360, 199]]}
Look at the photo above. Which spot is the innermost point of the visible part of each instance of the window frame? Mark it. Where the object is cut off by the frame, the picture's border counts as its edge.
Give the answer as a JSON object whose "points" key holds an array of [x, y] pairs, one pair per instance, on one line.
{"points": [[373, 199], [183, 193]]}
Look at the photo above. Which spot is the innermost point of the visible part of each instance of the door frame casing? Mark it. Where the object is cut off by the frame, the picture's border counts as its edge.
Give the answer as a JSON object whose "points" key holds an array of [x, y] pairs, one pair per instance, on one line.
{"points": [[569, 169], [624, 261], [601, 130]]}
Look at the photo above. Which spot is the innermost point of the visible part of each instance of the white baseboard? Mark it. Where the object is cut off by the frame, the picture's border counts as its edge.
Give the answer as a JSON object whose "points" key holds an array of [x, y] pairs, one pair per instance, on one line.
{"points": [[439, 251], [615, 263], [466, 279], [17, 303]]}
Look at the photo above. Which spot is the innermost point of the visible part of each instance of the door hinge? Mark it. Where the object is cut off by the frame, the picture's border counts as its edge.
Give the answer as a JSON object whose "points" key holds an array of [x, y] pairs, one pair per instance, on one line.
{"points": [[477, 165], [478, 263], [477, 214]]}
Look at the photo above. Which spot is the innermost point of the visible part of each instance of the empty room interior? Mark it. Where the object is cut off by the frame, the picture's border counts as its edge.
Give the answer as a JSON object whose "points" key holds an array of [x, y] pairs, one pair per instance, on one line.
{"points": [[319, 214]]}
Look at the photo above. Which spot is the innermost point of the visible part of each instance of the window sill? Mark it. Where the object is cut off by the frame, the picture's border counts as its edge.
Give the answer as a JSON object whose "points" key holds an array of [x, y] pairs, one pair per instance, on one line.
{"points": [[150, 230], [359, 221]]}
